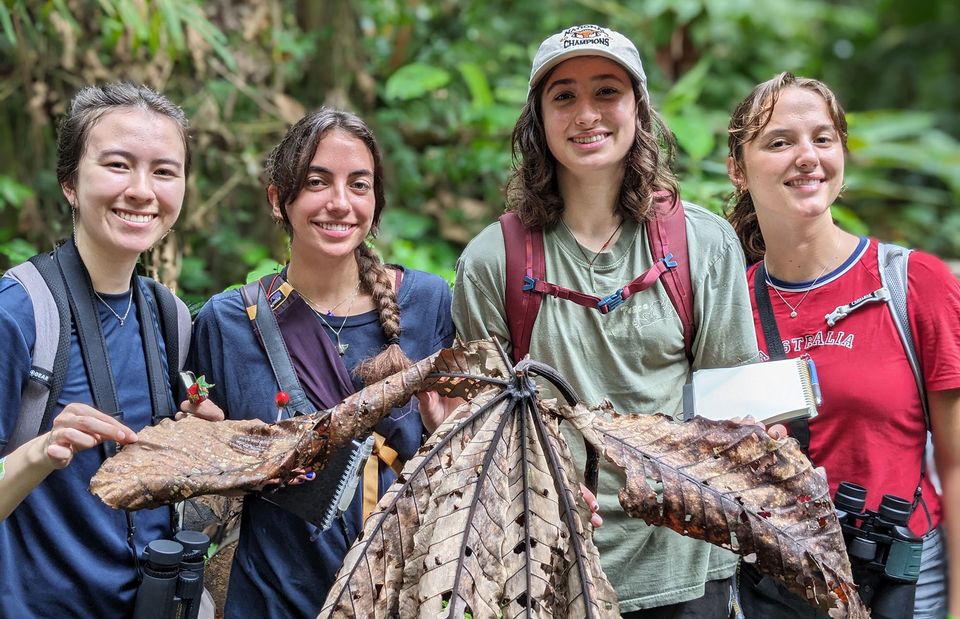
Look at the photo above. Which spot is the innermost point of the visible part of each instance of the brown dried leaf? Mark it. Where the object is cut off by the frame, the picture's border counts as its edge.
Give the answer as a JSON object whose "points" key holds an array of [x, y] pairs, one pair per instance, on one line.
{"points": [[176, 460], [486, 520], [734, 486]]}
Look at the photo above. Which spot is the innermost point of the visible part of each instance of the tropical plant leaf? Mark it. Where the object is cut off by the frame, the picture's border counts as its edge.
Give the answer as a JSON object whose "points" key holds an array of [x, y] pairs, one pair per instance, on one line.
{"points": [[734, 486], [485, 522]]}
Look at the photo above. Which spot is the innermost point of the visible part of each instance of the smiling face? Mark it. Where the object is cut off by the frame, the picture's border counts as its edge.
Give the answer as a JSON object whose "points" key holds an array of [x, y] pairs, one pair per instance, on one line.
{"points": [[130, 183], [333, 213], [589, 115], [793, 168]]}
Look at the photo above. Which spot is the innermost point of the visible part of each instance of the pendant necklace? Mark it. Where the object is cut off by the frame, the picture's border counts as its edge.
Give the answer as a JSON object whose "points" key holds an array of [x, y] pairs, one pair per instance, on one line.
{"points": [[341, 347], [602, 247], [793, 308], [126, 312]]}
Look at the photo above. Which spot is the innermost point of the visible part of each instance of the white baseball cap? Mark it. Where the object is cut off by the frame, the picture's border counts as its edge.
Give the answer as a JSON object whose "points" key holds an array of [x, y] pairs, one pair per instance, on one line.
{"points": [[588, 40]]}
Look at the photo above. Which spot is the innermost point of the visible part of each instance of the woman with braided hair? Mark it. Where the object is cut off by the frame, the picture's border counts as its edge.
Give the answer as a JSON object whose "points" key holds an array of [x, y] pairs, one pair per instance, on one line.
{"points": [[345, 319]]}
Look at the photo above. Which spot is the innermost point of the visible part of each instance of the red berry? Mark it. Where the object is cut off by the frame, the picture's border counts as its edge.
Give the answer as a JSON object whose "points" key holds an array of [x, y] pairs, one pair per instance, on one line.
{"points": [[192, 389], [283, 398]]}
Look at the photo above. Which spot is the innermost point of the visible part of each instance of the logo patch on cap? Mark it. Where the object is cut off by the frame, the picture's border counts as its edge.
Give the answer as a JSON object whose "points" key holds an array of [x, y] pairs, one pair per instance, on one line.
{"points": [[585, 35]]}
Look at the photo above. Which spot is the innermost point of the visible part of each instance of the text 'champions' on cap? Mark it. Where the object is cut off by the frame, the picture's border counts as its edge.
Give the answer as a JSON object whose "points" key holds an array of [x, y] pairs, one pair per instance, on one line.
{"points": [[588, 40]]}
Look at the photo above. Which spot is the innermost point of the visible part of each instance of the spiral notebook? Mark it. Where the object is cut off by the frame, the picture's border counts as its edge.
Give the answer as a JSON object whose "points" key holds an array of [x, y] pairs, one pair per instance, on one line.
{"points": [[322, 500], [770, 392]]}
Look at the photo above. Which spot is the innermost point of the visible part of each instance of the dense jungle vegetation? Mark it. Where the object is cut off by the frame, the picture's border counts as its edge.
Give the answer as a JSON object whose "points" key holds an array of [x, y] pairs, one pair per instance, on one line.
{"points": [[442, 83]]}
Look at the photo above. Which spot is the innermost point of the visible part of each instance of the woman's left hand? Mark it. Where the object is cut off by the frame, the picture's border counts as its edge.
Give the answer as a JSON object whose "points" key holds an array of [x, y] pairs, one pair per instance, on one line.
{"points": [[595, 519], [205, 409], [776, 431], [434, 409]]}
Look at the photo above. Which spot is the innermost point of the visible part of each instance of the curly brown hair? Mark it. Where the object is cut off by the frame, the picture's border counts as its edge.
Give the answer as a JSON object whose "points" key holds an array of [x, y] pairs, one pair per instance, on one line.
{"points": [[286, 170], [533, 192], [747, 121]]}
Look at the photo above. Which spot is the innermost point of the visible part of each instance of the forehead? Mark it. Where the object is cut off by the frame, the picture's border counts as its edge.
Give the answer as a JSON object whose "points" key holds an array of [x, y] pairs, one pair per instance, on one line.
{"points": [[587, 67], [136, 130], [341, 149], [800, 105]]}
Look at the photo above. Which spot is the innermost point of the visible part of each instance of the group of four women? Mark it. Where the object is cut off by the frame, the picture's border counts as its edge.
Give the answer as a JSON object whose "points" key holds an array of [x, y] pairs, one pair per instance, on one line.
{"points": [[592, 154]]}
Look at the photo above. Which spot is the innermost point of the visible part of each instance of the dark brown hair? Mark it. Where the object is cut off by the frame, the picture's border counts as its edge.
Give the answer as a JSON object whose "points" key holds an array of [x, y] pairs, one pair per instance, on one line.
{"points": [[90, 104], [286, 170], [533, 192], [749, 118]]}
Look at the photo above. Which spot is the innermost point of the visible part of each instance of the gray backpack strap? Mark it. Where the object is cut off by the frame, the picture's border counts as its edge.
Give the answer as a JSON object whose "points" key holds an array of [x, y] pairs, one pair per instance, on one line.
{"points": [[46, 316], [893, 275]]}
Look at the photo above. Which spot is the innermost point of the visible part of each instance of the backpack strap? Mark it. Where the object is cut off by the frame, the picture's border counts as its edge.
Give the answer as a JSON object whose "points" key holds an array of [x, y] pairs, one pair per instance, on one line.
{"points": [[667, 232], [525, 263], [175, 327], [893, 260], [51, 348], [526, 274], [259, 310], [893, 276]]}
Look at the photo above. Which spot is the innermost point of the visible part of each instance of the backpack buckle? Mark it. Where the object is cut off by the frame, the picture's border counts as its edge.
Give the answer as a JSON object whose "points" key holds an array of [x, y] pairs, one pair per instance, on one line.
{"points": [[669, 261], [610, 302], [529, 284]]}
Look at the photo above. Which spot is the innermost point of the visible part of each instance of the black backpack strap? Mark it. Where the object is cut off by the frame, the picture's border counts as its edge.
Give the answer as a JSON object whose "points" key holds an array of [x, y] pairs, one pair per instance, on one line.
{"points": [[175, 327], [799, 428], [87, 320], [160, 385], [265, 324], [51, 347]]}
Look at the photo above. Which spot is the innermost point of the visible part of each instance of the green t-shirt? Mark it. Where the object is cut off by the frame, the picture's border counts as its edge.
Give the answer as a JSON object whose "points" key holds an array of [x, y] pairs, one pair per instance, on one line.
{"points": [[634, 357]]}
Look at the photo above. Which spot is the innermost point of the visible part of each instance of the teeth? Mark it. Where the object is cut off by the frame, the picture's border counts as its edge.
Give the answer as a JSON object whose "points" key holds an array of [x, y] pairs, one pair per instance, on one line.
{"points": [[336, 227], [804, 182], [589, 140], [133, 217]]}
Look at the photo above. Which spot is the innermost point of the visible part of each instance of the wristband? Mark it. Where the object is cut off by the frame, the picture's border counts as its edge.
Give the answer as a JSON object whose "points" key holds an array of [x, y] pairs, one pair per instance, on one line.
{"points": [[2, 472]]}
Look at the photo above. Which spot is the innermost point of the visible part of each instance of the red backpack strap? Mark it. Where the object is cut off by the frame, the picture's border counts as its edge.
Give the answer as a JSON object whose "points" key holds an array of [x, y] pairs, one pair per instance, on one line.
{"points": [[525, 266], [667, 232]]}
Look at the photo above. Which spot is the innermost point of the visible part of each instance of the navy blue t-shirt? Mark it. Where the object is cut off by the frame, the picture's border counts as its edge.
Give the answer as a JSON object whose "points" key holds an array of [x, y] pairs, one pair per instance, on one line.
{"points": [[63, 553], [277, 571]]}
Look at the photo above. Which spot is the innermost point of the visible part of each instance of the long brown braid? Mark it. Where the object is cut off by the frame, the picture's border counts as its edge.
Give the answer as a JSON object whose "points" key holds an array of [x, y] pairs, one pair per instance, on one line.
{"points": [[376, 281]]}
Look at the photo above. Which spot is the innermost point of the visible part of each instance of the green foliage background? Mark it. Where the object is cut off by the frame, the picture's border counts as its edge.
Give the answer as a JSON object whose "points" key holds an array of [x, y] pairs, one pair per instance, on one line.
{"points": [[442, 83]]}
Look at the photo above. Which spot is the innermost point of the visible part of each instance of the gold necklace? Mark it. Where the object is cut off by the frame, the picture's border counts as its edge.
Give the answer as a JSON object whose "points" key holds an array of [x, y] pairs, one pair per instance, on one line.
{"points": [[793, 308], [603, 247]]}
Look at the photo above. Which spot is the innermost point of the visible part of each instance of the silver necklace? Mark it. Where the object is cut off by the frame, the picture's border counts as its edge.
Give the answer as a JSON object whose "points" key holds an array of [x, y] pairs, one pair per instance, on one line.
{"points": [[126, 312], [341, 347], [793, 308]]}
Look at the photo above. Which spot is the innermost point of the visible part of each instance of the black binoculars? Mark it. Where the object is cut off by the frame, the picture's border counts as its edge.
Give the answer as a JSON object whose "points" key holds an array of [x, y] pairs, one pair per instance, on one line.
{"points": [[172, 577], [884, 553]]}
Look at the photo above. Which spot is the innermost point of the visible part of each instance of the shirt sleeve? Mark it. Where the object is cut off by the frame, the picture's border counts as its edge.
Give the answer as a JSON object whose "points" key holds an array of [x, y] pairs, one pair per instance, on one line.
{"points": [[207, 353], [934, 308], [725, 332], [478, 295], [17, 336]]}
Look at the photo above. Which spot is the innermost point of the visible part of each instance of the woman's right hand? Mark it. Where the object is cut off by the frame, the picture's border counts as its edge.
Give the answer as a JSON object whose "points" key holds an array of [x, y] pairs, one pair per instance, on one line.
{"points": [[79, 427]]}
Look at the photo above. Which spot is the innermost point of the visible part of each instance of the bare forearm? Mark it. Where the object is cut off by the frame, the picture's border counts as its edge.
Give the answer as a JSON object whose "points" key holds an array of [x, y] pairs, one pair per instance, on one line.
{"points": [[945, 419], [24, 469], [951, 504]]}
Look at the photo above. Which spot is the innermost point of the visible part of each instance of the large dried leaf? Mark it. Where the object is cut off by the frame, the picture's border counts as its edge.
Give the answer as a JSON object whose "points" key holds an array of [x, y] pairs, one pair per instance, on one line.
{"points": [[486, 519], [733, 486], [173, 461]]}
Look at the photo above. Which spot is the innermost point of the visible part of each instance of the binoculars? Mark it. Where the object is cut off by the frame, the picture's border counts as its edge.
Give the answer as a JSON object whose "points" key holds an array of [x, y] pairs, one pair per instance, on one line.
{"points": [[884, 553], [172, 577]]}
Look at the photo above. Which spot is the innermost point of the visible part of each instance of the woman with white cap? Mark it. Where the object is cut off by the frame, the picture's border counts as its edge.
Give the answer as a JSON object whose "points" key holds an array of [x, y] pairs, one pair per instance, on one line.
{"points": [[592, 176]]}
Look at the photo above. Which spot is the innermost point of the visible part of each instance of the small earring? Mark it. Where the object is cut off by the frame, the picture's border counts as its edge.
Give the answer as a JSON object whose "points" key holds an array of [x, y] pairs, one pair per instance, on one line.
{"points": [[843, 188]]}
